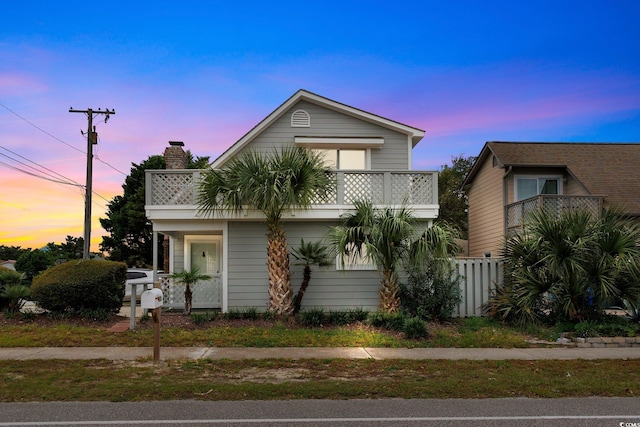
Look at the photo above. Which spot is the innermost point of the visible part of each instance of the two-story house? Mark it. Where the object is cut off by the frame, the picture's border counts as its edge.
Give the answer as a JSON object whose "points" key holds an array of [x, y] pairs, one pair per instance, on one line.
{"points": [[371, 157], [511, 179]]}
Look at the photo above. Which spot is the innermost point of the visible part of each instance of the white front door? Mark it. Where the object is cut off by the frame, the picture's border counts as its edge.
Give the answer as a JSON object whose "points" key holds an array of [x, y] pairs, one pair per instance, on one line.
{"points": [[205, 254]]}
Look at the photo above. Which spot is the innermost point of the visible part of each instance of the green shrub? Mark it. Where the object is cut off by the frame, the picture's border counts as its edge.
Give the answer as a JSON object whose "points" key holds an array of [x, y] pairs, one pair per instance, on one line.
{"points": [[346, 317], [432, 294], [357, 315], [199, 318], [81, 285], [313, 318], [250, 313], [415, 328], [28, 315], [8, 278], [392, 321], [15, 297], [607, 327], [269, 315], [338, 318], [234, 314]]}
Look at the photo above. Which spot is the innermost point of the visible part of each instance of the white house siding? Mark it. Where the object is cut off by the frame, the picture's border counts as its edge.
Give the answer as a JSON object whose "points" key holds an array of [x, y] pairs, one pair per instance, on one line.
{"points": [[329, 288], [394, 154]]}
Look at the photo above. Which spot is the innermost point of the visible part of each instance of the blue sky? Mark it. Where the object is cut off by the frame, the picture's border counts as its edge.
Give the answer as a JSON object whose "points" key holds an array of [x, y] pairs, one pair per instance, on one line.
{"points": [[206, 72]]}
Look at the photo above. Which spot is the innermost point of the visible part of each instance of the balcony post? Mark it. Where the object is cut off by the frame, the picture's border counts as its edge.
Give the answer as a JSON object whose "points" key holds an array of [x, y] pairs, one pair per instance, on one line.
{"points": [[340, 190], [386, 188]]}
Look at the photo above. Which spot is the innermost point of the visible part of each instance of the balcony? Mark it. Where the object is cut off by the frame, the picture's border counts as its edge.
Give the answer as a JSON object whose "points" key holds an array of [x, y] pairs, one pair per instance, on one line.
{"points": [[516, 213], [177, 191]]}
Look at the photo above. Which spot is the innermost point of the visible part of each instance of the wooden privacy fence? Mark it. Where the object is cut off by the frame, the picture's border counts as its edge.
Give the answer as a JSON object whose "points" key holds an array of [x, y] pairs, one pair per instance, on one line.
{"points": [[479, 276]]}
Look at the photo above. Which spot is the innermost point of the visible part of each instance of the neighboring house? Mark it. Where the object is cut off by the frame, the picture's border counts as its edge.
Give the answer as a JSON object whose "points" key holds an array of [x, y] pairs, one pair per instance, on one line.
{"points": [[510, 179], [371, 156]]}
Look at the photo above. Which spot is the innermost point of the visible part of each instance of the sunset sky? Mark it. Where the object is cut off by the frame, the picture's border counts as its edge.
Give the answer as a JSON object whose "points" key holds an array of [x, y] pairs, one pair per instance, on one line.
{"points": [[205, 72]]}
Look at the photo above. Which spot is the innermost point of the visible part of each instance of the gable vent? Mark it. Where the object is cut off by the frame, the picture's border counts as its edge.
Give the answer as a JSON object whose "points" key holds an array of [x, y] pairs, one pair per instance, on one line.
{"points": [[300, 119]]}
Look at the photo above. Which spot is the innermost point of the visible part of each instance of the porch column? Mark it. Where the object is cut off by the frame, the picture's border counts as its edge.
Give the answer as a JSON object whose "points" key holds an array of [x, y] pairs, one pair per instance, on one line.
{"points": [[155, 259]]}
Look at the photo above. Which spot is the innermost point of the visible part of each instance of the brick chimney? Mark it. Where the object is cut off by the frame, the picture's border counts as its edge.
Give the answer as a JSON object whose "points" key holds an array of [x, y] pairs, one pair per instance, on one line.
{"points": [[174, 155]]}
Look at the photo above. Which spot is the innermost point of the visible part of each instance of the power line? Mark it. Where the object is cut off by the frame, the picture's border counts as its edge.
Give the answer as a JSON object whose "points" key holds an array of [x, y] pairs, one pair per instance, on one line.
{"points": [[40, 129], [37, 164], [58, 139], [68, 181], [38, 176]]}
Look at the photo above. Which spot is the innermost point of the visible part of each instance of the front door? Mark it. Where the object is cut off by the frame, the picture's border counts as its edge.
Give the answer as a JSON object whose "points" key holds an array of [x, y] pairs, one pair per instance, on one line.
{"points": [[205, 254]]}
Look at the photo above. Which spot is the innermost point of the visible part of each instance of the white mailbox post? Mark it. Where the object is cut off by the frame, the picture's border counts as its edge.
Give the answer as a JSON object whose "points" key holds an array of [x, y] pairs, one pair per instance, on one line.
{"points": [[152, 300], [133, 303]]}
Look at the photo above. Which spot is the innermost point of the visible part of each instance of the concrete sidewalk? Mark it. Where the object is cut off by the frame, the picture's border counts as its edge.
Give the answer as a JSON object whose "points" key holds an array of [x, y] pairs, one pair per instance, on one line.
{"points": [[167, 353]]}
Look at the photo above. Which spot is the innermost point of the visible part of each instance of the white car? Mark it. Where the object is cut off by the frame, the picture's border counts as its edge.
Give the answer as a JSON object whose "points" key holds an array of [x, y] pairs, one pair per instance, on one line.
{"points": [[142, 278]]}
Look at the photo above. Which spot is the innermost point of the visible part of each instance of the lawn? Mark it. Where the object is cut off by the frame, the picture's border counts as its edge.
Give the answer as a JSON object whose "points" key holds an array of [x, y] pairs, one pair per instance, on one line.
{"points": [[206, 379], [181, 331]]}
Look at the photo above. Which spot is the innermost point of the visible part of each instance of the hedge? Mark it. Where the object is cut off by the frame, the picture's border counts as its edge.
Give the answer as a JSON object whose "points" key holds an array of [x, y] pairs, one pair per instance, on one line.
{"points": [[81, 285]]}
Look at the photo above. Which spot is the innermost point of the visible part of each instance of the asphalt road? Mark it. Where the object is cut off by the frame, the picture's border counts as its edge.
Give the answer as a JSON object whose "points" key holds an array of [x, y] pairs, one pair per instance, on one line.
{"points": [[593, 411]]}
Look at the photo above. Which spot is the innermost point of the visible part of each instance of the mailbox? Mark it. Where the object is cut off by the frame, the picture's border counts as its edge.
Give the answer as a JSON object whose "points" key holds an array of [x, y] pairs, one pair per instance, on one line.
{"points": [[151, 299]]}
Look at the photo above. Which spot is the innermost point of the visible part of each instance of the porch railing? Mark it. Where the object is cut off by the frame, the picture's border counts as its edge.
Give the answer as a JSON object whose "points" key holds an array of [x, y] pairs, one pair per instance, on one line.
{"points": [[206, 293], [180, 187], [517, 213]]}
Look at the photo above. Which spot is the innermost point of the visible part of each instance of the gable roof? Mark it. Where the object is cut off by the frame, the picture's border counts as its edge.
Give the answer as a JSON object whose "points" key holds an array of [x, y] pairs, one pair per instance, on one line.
{"points": [[605, 169], [415, 133]]}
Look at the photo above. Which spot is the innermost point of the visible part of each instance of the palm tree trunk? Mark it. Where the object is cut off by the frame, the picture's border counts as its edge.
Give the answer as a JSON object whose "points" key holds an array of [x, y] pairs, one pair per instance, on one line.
{"points": [[280, 291], [389, 301], [306, 278], [188, 298]]}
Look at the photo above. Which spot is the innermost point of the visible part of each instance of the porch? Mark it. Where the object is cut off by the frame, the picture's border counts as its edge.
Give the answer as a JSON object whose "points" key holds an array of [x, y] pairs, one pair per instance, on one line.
{"points": [[516, 213]]}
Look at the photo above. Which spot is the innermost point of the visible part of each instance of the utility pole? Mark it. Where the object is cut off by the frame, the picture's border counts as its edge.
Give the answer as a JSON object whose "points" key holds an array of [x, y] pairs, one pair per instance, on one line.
{"points": [[92, 138]]}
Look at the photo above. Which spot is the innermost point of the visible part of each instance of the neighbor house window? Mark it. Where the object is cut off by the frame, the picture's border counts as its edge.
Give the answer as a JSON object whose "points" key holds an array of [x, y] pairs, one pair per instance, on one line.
{"points": [[527, 186], [354, 260]]}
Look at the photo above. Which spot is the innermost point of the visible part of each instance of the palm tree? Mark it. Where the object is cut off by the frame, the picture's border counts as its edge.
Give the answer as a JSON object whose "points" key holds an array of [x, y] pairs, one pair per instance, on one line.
{"points": [[188, 278], [292, 178], [570, 265], [308, 254], [382, 236], [390, 237]]}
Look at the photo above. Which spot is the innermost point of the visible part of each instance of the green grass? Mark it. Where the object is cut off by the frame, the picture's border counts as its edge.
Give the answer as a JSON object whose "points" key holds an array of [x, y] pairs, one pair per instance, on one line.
{"points": [[95, 380], [473, 332], [461, 333]]}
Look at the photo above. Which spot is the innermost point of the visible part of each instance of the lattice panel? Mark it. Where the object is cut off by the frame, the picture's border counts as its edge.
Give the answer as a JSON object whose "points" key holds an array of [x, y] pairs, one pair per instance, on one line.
{"points": [[414, 188], [331, 197], [363, 186], [173, 189], [206, 293], [514, 216], [557, 204]]}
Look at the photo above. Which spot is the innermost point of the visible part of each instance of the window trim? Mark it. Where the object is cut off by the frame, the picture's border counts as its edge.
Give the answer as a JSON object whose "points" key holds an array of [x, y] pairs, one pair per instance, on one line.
{"points": [[339, 142]]}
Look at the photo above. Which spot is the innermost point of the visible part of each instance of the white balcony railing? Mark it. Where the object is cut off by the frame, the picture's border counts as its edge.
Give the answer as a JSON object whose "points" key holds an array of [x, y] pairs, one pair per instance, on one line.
{"points": [[180, 188]]}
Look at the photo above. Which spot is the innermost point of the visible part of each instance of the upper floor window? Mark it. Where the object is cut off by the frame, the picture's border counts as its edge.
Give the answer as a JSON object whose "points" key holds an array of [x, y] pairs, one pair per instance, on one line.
{"points": [[339, 159], [530, 186]]}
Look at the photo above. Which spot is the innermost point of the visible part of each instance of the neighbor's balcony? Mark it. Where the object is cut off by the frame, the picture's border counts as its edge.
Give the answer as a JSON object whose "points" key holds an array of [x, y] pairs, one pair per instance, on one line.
{"points": [[516, 213], [178, 189]]}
